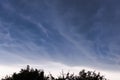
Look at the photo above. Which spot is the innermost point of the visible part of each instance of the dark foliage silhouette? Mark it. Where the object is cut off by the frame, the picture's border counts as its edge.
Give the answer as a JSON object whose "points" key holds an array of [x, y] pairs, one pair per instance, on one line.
{"points": [[35, 74]]}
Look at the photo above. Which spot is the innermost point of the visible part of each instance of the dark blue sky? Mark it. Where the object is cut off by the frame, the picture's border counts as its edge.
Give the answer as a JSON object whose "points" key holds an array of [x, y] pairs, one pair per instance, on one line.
{"points": [[71, 32]]}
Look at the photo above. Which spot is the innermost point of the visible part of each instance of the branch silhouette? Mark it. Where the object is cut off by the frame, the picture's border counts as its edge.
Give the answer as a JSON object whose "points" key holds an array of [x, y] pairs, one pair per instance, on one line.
{"points": [[35, 74]]}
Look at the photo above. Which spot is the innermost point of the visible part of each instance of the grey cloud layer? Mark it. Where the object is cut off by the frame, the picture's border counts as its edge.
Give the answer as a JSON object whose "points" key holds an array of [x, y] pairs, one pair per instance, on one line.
{"points": [[72, 32]]}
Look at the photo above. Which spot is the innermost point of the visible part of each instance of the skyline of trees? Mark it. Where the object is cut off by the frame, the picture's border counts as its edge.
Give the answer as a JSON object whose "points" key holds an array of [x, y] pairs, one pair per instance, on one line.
{"points": [[35, 74]]}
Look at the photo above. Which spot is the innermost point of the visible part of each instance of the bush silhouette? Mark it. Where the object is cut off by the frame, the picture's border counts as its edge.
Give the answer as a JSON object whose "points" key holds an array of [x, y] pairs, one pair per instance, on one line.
{"points": [[35, 74]]}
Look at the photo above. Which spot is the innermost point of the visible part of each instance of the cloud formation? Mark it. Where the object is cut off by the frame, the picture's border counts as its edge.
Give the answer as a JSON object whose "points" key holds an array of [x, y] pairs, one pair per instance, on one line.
{"points": [[71, 32]]}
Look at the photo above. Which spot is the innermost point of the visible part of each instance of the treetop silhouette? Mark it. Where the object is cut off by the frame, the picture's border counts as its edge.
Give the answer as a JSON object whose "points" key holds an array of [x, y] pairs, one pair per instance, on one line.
{"points": [[35, 74]]}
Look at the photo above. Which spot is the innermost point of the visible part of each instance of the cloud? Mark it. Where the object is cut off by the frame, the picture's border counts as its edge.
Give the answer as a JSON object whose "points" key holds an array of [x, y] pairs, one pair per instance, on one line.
{"points": [[71, 32]]}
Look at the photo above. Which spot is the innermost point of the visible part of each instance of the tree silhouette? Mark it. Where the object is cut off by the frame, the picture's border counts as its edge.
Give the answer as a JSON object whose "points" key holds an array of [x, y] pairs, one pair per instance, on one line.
{"points": [[35, 74]]}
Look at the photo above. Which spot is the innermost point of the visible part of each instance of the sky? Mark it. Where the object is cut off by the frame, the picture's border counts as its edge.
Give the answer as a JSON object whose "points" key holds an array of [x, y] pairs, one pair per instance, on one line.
{"points": [[60, 34]]}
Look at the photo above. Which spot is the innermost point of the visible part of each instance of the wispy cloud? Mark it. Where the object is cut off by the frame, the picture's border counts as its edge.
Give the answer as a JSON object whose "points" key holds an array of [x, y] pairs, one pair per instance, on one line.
{"points": [[74, 33]]}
